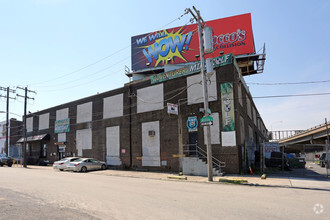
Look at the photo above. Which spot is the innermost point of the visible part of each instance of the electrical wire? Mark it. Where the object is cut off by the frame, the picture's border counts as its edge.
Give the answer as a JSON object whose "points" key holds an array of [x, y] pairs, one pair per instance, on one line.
{"points": [[132, 114], [139, 61], [288, 83], [102, 59], [295, 95]]}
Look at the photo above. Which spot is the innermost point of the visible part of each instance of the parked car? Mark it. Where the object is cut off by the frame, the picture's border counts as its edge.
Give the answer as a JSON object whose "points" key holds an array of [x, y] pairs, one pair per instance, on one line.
{"points": [[62, 164], [86, 164], [4, 160], [323, 159]]}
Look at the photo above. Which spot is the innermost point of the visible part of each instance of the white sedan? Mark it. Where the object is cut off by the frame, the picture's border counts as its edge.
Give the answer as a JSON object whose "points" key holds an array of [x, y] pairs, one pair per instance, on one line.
{"points": [[86, 164], [62, 164]]}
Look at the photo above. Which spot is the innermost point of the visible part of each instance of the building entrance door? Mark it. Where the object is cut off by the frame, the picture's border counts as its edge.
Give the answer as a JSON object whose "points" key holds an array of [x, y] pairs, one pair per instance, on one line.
{"points": [[193, 143], [61, 152]]}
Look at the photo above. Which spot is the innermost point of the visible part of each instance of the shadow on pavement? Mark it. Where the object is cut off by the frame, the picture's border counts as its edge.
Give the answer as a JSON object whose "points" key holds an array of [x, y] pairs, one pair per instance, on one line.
{"points": [[289, 187], [311, 171]]}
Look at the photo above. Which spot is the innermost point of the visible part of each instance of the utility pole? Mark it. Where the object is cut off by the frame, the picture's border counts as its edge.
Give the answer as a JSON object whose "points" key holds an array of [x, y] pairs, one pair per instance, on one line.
{"points": [[7, 116], [24, 120], [200, 20]]}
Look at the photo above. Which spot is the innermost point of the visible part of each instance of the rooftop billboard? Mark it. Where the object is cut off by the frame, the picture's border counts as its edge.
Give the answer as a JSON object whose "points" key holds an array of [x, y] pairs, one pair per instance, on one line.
{"points": [[180, 45]]}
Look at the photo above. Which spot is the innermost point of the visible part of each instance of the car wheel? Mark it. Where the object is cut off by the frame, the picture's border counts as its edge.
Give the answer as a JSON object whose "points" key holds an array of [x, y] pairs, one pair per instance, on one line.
{"points": [[10, 164], [84, 169], [103, 167], [322, 164], [1, 165], [61, 169]]}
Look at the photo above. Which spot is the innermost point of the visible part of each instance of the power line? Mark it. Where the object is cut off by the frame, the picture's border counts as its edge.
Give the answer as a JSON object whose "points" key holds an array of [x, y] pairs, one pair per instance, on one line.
{"points": [[139, 61], [104, 58], [285, 96], [180, 90], [56, 90], [288, 83], [184, 89]]}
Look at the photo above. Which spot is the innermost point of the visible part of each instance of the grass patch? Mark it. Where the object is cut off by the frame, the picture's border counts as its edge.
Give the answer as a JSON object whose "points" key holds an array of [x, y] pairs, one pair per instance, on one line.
{"points": [[233, 181]]}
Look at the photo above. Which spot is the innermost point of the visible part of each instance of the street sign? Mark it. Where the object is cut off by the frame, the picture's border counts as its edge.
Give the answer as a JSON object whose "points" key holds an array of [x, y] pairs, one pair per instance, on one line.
{"points": [[206, 121], [172, 109]]}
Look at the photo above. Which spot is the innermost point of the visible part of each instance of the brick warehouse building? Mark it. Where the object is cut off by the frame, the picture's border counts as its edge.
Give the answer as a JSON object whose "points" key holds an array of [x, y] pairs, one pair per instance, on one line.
{"points": [[130, 127], [155, 120], [14, 134]]}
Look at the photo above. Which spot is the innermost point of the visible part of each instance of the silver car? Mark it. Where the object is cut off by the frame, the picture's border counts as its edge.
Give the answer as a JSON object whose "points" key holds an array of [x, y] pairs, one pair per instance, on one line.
{"points": [[86, 164], [62, 164]]}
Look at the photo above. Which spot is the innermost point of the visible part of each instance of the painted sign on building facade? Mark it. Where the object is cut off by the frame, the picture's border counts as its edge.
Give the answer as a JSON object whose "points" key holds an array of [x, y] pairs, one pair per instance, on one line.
{"points": [[180, 45], [62, 126], [228, 115], [190, 69]]}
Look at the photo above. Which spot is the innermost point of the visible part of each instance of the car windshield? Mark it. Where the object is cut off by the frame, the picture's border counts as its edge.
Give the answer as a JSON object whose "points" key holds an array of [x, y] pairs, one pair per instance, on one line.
{"points": [[2, 155]]}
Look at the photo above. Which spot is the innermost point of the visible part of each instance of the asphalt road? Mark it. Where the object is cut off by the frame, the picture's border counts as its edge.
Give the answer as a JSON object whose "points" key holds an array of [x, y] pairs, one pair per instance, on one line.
{"points": [[44, 193]]}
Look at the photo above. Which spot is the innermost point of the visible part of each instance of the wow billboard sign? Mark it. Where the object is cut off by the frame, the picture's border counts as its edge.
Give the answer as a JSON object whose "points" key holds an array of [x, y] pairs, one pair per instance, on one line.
{"points": [[181, 44]]}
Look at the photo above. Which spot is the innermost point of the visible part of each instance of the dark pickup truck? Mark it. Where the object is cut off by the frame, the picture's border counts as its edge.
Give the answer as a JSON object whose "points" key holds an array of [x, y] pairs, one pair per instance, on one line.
{"points": [[4, 160]]}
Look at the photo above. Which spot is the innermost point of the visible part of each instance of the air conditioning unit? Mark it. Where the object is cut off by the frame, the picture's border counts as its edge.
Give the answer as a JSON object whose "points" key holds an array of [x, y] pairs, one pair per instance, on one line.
{"points": [[151, 133]]}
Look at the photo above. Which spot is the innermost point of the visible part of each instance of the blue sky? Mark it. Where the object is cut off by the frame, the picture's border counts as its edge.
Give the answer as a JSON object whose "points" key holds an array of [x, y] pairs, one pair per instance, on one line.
{"points": [[44, 42]]}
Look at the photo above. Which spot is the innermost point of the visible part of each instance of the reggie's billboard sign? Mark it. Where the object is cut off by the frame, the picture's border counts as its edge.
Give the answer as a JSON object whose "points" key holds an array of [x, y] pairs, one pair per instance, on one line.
{"points": [[180, 45]]}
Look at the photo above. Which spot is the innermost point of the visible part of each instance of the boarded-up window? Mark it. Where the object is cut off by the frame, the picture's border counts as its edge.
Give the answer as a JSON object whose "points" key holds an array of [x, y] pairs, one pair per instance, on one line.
{"points": [[62, 114], [195, 89], [84, 112], [150, 144], [150, 98], [44, 121], [113, 106], [215, 130], [242, 130], [113, 145], [29, 124], [248, 106], [83, 140]]}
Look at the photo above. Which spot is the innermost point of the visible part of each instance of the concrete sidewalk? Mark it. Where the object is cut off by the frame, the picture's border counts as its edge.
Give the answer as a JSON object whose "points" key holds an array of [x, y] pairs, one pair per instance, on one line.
{"points": [[249, 180]]}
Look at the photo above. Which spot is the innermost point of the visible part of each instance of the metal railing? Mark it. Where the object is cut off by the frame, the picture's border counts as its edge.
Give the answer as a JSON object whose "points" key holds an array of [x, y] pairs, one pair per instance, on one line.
{"points": [[193, 150]]}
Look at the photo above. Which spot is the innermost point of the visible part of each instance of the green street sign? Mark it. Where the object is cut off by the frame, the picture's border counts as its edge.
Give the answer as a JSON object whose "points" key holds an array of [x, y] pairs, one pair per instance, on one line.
{"points": [[206, 121]]}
